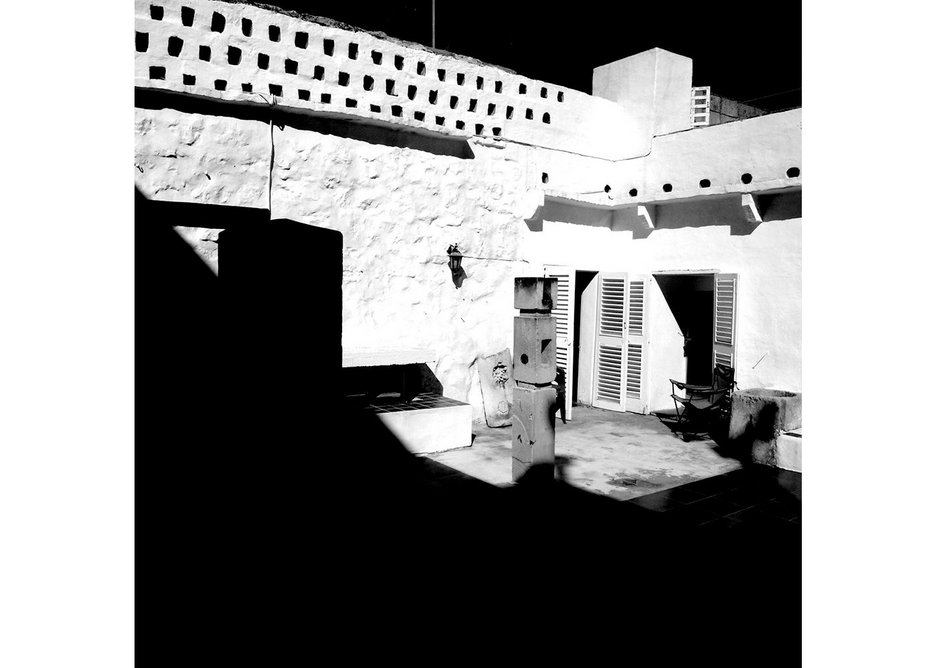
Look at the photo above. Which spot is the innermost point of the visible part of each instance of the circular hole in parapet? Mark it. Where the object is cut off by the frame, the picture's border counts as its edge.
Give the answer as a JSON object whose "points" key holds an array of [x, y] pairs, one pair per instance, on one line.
{"points": [[523, 359], [607, 188], [633, 192], [667, 187], [704, 183], [793, 173], [746, 178]]}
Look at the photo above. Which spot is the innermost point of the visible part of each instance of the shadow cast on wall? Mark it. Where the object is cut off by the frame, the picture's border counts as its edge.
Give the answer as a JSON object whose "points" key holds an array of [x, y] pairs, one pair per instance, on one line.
{"points": [[371, 132], [270, 514]]}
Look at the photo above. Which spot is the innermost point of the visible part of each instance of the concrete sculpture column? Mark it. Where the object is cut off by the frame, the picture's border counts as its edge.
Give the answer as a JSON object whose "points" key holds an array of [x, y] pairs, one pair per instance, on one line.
{"points": [[533, 416]]}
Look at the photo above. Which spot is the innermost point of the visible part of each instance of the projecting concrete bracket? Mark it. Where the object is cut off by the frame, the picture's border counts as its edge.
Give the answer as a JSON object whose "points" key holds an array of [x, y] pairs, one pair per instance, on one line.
{"points": [[532, 209], [750, 210], [639, 219]]}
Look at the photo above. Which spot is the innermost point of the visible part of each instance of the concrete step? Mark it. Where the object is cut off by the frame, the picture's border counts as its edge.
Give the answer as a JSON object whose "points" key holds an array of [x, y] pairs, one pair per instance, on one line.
{"points": [[428, 424]]}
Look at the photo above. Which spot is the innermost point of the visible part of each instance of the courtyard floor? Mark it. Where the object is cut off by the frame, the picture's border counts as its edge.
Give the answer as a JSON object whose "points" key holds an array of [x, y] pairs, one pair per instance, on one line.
{"points": [[622, 455]]}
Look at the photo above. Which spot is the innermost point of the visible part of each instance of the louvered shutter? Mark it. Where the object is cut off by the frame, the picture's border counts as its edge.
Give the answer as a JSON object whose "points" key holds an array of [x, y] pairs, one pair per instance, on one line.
{"points": [[636, 394], [724, 315], [565, 313], [610, 351], [700, 104]]}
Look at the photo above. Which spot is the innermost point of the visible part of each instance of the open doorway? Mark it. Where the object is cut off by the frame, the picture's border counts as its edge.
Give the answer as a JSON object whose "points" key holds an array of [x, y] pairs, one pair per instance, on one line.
{"points": [[690, 298], [584, 336]]}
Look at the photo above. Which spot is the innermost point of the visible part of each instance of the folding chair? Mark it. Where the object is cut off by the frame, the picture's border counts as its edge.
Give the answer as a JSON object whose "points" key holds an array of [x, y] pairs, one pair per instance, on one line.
{"points": [[701, 404]]}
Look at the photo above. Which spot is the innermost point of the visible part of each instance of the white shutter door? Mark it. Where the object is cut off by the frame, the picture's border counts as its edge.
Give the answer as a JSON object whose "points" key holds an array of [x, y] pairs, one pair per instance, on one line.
{"points": [[724, 316], [636, 394], [610, 353], [565, 313]]}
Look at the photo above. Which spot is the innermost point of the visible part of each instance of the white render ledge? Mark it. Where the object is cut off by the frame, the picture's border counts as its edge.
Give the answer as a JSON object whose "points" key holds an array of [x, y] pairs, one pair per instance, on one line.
{"points": [[386, 356]]}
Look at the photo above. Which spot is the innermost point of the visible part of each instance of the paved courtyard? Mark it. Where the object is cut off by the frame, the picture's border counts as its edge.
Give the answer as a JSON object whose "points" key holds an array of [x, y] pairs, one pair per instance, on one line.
{"points": [[622, 455]]}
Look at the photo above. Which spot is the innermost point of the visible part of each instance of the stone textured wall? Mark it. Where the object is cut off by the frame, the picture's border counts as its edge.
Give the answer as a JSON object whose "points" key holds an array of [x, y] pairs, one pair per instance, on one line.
{"points": [[398, 209]]}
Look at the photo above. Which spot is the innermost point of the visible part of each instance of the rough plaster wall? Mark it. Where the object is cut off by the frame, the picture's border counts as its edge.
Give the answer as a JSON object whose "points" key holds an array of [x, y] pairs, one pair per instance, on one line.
{"points": [[399, 209], [184, 157]]}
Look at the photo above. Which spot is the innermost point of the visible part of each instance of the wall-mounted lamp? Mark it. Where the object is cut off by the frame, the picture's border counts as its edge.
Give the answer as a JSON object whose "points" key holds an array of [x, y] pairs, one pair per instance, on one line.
{"points": [[455, 265], [455, 258]]}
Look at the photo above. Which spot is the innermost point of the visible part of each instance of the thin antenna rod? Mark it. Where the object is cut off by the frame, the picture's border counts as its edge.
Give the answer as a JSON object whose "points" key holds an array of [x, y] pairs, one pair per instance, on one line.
{"points": [[434, 24]]}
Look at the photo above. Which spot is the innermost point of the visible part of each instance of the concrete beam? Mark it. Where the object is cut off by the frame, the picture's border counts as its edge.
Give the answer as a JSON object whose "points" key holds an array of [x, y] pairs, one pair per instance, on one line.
{"points": [[750, 209]]}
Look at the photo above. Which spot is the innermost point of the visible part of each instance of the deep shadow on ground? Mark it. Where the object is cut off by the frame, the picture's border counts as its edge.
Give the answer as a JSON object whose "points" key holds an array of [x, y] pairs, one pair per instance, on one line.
{"points": [[275, 525]]}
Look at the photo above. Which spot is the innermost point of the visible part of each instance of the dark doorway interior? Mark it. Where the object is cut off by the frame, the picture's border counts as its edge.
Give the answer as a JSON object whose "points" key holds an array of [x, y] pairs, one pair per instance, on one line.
{"points": [[583, 280], [690, 297]]}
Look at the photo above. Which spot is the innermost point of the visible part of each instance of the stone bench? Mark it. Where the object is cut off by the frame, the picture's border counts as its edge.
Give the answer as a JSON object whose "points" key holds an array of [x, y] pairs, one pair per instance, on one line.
{"points": [[419, 416]]}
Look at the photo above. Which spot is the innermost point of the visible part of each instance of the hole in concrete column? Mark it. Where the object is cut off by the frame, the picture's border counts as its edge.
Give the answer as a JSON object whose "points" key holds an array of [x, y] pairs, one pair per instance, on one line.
{"points": [[497, 86], [396, 110], [491, 108], [453, 101], [793, 172], [460, 125], [704, 183], [328, 46], [247, 27], [559, 96], [375, 109], [398, 62], [421, 68], [529, 114], [303, 94], [368, 82], [343, 78], [263, 61], [143, 41], [545, 178], [479, 128], [188, 79], [440, 120], [301, 40], [325, 98], [432, 97], [175, 46], [667, 187], [188, 16], [544, 344], [220, 84], [411, 92], [460, 78], [318, 73], [441, 73], [234, 55], [746, 178], [419, 115], [217, 22], [349, 102], [389, 85], [473, 104], [376, 57], [276, 89], [546, 118], [524, 358], [353, 51], [543, 92], [204, 53], [291, 66], [633, 192], [273, 32], [509, 113], [156, 12], [157, 72], [522, 89], [496, 132], [246, 87], [480, 83]]}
